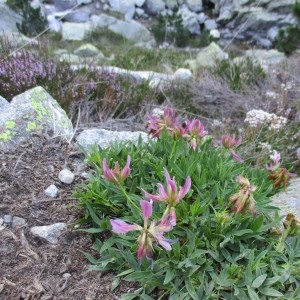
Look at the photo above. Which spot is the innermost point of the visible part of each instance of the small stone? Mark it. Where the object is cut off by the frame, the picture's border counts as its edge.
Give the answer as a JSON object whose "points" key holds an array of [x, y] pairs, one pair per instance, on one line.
{"points": [[18, 222], [66, 176], [7, 219], [50, 233], [52, 191]]}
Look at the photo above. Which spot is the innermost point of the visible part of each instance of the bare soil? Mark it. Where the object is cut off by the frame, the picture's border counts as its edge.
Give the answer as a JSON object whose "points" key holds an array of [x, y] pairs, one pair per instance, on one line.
{"points": [[30, 267]]}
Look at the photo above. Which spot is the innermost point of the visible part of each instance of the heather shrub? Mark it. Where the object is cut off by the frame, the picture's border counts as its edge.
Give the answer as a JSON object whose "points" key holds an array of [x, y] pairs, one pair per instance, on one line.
{"points": [[98, 93]]}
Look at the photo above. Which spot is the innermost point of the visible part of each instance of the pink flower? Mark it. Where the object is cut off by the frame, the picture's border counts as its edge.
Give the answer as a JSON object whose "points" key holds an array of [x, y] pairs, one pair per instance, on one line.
{"points": [[194, 132], [171, 195], [156, 125], [116, 175], [155, 233], [276, 161], [230, 142]]}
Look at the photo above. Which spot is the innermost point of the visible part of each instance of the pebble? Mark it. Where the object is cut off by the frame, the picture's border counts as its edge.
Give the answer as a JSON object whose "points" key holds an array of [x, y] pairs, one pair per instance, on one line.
{"points": [[66, 176], [18, 222], [7, 219], [50, 233], [52, 191]]}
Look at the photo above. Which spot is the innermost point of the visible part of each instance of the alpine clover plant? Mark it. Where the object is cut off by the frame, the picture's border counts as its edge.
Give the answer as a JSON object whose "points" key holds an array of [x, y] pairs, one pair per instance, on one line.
{"points": [[214, 233]]}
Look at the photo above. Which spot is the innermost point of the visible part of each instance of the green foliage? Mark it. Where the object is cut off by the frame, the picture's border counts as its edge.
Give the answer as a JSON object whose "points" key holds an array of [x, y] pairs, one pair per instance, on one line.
{"points": [[288, 39], [33, 21], [203, 40], [217, 254], [169, 28], [239, 74]]}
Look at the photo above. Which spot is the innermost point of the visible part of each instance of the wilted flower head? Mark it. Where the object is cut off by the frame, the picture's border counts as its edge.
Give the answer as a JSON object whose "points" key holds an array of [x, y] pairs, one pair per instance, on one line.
{"points": [[243, 199], [280, 176], [157, 124], [275, 156], [292, 225], [155, 232], [116, 175]]}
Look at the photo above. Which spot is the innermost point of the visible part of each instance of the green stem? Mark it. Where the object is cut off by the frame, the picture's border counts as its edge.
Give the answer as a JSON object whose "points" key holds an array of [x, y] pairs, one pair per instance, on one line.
{"points": [[282, 239], [127, 196]]}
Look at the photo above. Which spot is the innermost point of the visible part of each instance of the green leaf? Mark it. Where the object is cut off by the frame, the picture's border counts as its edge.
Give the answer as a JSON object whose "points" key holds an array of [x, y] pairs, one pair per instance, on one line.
{"points": [[252, 294], [115, 283], [91, 230], [169, 275], [270, 292], [257, 223], [257, 282], [138, 275], [125, 273], [129, 296], [93, 214], [190, 288], [243, 232]]}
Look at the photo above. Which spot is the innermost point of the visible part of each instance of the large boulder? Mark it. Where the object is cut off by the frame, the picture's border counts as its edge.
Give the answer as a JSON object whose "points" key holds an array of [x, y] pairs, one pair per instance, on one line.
{"points": [[32, 111], [153, 7], [8, 19], [75, 31], [131, 30]]}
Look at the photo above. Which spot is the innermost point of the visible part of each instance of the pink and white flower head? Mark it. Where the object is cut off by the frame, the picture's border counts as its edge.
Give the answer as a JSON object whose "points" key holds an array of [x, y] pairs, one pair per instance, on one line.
{"points": [[116, 175], [148, 236], [230, 142], [171, 196], [194, 132], [168, 122], [275, 157]]}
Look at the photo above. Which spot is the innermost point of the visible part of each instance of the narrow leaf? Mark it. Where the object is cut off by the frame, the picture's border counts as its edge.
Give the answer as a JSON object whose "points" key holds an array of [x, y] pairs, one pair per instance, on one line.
{"points": [[257, 282]]}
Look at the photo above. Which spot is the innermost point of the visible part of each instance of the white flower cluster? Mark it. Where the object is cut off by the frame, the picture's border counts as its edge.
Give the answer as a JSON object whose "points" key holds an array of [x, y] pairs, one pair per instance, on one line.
{"points": [[265, 147], [258, 117], [158, 112], [272, 95]]}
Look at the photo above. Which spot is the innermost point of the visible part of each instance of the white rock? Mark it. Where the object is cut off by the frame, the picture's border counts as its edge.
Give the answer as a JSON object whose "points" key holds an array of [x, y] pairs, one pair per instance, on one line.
{"points": [[183, 74], [52, 191], [66, 176], [195, 5], [51, 233], [18, 222], [215, 33]]}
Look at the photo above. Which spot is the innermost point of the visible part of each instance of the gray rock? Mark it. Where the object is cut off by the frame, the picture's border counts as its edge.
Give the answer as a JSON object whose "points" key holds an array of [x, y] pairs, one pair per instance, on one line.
{"points": [[51, 191], [18, 222], [102, 20], [3, 102], [131, 30], [8, 19], [210, 24], [78, 16], [50, 233], [7, 219], [84, 1], [289, 200], [195, 5], [17, 39], [72, 58], [54, 24], [153, 7], [183, 75], [64, 4], [75, 31], [105, 138], [171, 3], [281, 6], [266, 57], [32, 111], [190, 20], [207, 57], [88, 50], [272, 33], [66, 176], [126, 7]]}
